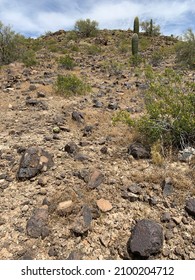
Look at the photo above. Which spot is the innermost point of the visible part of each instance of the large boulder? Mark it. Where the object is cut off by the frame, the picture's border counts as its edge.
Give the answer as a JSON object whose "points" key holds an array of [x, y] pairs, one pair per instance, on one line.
{"points": [[146, 238]]}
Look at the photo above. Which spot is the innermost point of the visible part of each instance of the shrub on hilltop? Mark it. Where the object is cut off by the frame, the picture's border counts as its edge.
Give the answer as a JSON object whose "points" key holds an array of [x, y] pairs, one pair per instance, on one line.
{"points": [[86, 28]]}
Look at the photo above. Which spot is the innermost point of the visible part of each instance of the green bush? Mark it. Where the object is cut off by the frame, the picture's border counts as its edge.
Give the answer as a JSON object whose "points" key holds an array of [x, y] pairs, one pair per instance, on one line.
{"points": [[66, 62], [29, 58], [93, 49], [86, 28], [170, 110], [185, 51], [10, 43], [70, 85]]}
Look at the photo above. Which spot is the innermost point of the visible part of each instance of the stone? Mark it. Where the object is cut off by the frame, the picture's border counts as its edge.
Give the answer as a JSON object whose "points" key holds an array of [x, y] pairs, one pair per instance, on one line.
{"points": [[71, 148], [190, 206], [53, 252], [136, 189], [104, 205], [83, 221], [81, 157], [177, 220], [186, 155], [87, 131], [95, 179], [167, 187], [64, 207], [37, 224], [97, 104], [34, 161], [113, 106], [75, 255], [78, 116], [166, 217], [138, 151], [146, 238]]}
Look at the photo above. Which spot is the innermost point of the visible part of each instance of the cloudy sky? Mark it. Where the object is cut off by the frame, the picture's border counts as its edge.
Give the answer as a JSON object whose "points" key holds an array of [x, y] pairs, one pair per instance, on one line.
{"points": [[34, 18]]}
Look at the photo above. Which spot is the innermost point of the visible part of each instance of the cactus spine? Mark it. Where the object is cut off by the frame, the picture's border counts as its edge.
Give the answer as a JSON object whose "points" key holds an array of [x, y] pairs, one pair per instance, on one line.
{"points": [[136, 25], [135, 41]]}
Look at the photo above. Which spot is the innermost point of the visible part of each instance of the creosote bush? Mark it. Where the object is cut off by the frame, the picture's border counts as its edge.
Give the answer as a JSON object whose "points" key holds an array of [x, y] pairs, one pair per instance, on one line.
{"points": [[70, 85], [66, 62], [170, 112]]}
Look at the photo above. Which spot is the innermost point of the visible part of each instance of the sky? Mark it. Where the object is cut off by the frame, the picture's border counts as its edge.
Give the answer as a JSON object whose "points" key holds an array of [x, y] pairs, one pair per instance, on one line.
{"points": [[36, 17]]}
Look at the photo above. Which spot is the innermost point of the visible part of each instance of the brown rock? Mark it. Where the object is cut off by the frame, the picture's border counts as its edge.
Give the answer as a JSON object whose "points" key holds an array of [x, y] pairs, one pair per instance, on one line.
{"points": [[104, 205], [95, 179], [64, 207]]}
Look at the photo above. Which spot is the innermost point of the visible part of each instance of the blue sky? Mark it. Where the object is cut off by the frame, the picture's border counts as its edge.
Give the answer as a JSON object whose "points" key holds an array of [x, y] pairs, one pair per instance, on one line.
{"points": [[35, 17]]}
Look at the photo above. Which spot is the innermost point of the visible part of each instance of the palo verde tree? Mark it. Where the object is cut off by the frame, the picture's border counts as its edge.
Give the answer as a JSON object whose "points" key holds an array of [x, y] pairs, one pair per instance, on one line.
{"points": [[86, 28], [150, 28]]}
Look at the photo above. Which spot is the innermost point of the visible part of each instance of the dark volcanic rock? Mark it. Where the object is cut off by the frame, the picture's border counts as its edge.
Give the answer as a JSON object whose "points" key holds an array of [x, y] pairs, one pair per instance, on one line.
{"points": [[33, 161], [71, 148], [95, 179], [77, 116], [190, 206], [138, 151], [83, 221], [146, 238], [37, 224]]}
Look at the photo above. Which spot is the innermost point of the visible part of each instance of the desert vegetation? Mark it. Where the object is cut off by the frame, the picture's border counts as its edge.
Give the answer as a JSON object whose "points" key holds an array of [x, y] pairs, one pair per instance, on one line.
{"points": [[97, 136]]}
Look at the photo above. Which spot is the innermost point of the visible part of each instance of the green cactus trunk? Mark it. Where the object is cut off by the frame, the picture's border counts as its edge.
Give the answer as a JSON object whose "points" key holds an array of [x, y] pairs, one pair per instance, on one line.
{"points": [[136, 25], [135, 41], [151, 28]]}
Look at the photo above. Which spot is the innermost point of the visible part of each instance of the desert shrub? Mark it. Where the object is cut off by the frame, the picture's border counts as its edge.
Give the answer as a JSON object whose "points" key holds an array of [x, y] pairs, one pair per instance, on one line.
{"points": [[136, 60], [156, 58], [169, 120], [70, 85], [112, 67], [86, 28], [66, 62], [122, 116], [144, 43], [185, 50], [124, 46], [29, 58], [9, 44], [170, 110], [93, 49], [150, 28]]}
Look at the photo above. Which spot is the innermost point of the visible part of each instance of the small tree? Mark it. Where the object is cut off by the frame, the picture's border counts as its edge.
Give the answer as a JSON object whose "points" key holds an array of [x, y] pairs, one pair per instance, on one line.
{"points": [[87, 28], [9, 44], [150, 28], [185, 50]]}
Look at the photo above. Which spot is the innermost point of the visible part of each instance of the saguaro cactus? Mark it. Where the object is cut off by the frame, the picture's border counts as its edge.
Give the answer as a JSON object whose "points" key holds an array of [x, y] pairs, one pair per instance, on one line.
{"points": [[151, 28], [135, 41], [136, 25]]}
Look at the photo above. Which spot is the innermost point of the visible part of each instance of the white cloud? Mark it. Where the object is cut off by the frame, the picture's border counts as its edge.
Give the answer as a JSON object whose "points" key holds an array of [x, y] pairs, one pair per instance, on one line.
{"points": [[38, 16]]}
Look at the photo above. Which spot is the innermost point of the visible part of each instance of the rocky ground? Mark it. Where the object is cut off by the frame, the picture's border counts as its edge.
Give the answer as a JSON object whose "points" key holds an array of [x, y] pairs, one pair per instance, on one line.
{"points": [[73, 185]]}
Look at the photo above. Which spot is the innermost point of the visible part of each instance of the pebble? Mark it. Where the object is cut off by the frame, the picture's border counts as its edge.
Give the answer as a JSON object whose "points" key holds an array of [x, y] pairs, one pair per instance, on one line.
{"points": [[104, 205]]}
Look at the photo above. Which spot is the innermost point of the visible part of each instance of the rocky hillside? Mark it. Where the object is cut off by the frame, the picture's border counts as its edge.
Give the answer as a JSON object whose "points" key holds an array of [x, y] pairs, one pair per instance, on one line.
{"points": [[72, 184]]}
